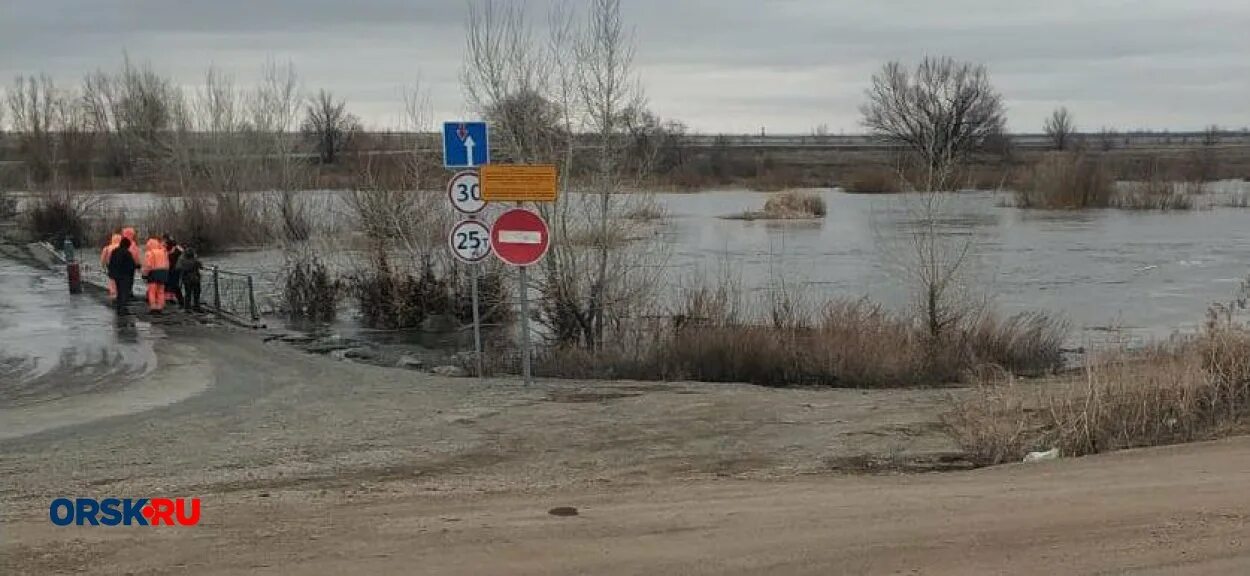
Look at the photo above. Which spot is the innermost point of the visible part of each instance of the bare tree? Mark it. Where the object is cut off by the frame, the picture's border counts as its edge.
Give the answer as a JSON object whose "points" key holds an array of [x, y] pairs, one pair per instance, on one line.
{"points": [[32, 103], [134, 112], [1060, 128], [1211, 135], [1107, 138], [74, 135], [329, 126], [941, 112], [547, 101]]}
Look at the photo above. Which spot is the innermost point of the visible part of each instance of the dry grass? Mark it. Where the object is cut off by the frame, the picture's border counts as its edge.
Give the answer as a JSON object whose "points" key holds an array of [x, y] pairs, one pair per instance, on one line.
{"points": [[1066, 180], [646, 210], [871, 180], [844, 343], [1179, 391], [1156, 194], [788, 205]]}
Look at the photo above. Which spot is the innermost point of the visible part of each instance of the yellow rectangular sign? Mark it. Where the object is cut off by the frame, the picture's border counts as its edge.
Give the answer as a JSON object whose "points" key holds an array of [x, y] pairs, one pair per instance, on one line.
{"points": [[518, 182]]}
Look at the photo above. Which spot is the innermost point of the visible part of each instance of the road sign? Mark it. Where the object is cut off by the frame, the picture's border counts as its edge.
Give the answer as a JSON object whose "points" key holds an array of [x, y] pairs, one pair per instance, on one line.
{"points": [[465, 192], [465, 144], [519, 237], [470, 241], [519, 182]]}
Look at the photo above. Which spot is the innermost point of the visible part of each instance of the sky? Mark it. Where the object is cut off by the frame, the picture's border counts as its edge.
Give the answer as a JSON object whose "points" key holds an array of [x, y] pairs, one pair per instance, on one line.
{"points": [[720, 66]]}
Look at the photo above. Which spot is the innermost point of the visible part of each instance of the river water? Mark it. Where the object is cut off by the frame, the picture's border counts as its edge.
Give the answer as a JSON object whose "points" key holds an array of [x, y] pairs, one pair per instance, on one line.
{"points": [[1146, 273]]}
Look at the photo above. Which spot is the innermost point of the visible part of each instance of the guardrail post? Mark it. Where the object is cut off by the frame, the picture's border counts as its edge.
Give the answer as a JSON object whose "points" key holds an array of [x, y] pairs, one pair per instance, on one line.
{"points": [[251, 299], [216, 290]]}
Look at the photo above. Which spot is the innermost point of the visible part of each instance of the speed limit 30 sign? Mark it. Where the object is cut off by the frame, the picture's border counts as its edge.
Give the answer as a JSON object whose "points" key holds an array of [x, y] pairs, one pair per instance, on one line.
{"points": [[465, 192], [470, 241]]}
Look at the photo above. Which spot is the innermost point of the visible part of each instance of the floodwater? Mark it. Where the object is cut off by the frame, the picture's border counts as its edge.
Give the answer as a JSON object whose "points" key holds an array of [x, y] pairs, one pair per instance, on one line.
{"points": [[53, 344], [1146, 273]]}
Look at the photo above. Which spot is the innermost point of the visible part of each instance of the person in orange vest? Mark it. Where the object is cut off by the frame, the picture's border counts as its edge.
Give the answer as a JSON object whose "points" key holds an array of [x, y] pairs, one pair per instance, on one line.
{"points": [[104, 263], [156, 272]]}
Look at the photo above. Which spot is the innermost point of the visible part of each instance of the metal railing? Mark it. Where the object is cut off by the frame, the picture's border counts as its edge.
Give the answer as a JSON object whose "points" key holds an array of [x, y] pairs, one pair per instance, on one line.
{"points": [[231, 293]]}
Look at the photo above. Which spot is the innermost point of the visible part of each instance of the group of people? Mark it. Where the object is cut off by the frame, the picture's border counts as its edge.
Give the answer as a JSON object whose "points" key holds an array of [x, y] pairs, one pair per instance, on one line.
{"points": [[172, 272]]}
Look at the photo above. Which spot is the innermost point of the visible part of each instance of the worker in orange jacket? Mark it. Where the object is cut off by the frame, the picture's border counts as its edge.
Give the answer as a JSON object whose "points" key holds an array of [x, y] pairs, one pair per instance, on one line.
{"points": [[104, 263], [156, 271]]}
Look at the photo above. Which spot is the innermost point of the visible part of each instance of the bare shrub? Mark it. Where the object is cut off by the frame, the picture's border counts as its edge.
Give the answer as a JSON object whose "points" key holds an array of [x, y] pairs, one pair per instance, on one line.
{"points": [[308, 289], [57, 215], [1066, 181], [8, 205], [1061, 129], [394, 299]]}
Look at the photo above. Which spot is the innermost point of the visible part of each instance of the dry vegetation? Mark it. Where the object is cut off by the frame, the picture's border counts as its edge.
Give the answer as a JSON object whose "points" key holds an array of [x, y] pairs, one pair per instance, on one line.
{"points": [[715, 336], [788, 205], [1080, 180], [1066, 181], [872, 180], [1184, 389]]}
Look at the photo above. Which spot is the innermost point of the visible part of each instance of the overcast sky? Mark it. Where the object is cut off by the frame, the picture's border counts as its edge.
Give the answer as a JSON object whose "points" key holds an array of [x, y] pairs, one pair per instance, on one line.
{"points": [[718, 65]]}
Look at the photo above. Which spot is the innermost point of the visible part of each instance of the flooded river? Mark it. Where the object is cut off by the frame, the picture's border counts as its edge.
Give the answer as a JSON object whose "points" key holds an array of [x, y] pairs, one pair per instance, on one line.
{"points": [[1146, 272]]}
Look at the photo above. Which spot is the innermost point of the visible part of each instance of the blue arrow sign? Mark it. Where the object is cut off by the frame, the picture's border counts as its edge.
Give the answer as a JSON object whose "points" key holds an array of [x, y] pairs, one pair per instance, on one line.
{"points": [[465, 145]]}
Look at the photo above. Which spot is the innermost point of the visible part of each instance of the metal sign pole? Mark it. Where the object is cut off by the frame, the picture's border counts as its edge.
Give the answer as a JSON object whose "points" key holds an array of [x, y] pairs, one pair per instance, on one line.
{"points": [[525, 328], [477, 324]]}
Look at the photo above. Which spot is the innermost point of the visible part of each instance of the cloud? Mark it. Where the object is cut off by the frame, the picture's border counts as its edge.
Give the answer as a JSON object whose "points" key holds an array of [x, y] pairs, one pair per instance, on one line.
{"points": [[719, 65]]}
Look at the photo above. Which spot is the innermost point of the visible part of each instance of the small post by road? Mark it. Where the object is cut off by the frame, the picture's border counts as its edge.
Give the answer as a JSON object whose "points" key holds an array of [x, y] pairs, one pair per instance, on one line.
{"points": [[73, 272], [216, 290], [251, 299], [525, 328], [477, 324]]}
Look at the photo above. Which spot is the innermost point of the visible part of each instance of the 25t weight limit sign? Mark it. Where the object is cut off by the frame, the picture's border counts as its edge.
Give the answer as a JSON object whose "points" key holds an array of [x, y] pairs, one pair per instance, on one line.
{"points": [[465, 192], [470, 241]]}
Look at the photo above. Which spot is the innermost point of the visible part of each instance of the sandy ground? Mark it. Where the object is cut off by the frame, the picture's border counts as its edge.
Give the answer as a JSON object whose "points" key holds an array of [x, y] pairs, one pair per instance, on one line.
{"points": [[307, 465]]}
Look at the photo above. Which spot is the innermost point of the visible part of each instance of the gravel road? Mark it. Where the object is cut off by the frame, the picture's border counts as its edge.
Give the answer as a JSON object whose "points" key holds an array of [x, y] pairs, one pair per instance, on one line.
{"points": [[308, 465]]}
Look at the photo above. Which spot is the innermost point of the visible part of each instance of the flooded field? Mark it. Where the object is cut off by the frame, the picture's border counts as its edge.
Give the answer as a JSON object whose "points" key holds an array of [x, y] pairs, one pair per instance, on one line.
{"points": [[1148, 273]]}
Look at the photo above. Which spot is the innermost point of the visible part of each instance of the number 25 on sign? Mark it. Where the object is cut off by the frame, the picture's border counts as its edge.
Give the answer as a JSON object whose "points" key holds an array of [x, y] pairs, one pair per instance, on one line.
{"points": [[470, 241]]}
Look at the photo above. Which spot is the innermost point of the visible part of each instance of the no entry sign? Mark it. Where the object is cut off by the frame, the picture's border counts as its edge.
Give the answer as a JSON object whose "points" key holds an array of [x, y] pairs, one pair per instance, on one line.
{"points": [[519, 237]]}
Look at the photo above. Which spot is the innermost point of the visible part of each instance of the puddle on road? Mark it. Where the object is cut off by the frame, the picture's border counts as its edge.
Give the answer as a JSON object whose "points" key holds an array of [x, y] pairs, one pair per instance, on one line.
{"points": [[54, 345]]}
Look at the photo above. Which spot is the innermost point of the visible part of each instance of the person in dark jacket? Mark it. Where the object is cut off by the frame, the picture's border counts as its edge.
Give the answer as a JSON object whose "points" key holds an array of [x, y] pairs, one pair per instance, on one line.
{"points": [[189, 274], [173, 286], [121, 268]]}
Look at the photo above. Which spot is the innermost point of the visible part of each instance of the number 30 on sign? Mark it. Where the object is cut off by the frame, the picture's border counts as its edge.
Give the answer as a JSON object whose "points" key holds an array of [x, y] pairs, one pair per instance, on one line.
{"points": [[470, 241], [465, 192]]}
